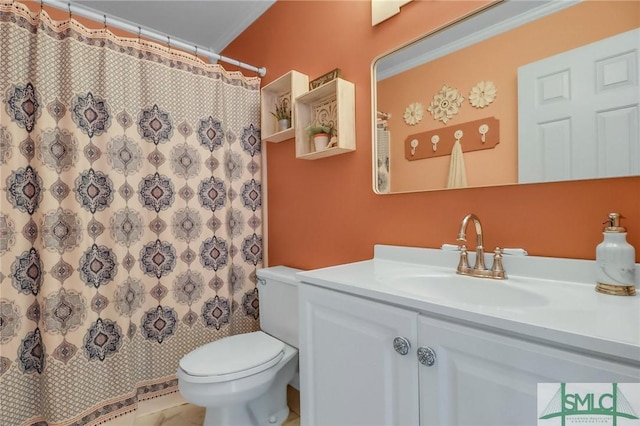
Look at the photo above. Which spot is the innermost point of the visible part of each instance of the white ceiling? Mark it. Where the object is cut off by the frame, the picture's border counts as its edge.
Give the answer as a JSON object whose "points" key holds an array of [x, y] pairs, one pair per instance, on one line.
{"points": [[209, 23]]}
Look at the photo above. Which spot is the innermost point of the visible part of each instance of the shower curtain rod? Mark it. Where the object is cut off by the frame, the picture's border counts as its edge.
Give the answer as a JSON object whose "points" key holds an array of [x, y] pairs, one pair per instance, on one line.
{"points": [[122, 24]]}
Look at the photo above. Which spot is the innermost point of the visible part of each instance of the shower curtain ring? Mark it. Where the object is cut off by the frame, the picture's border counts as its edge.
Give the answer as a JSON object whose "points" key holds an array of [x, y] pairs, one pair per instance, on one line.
{"points": [[169, 42], [69, 5], [139, 33], [105, 21], [196, 52]]}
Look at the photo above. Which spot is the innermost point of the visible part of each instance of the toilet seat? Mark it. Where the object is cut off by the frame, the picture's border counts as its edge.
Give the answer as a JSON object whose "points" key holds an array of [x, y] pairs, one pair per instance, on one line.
{"points": [[233, 357]]}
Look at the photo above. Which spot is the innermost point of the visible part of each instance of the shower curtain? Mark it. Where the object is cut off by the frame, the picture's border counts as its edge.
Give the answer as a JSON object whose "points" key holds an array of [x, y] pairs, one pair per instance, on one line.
{"points": [[383, 139], [130, 216]]}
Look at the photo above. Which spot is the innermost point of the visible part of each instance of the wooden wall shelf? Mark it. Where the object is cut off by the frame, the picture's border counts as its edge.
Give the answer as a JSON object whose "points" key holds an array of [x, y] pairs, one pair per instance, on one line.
{"points": [[471, 139], [334, 103], [289, 86]]}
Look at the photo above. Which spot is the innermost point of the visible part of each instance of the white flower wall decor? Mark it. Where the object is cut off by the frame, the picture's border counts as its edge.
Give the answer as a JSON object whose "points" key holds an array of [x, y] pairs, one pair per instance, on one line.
{"points": [[445, 104], [483, 94], [413, 113]]}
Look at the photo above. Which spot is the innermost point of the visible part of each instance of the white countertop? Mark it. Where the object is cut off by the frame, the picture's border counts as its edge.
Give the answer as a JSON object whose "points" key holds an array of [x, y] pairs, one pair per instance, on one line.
{"points": [[574, 315]]}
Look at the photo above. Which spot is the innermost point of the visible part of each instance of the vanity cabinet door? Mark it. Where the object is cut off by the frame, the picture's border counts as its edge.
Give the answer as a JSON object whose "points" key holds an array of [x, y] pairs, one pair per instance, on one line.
{"points": [[483, 378], [350, 371]]}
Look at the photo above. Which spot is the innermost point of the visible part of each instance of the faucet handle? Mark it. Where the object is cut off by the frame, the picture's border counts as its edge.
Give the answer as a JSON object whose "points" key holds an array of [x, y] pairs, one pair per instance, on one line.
{"points": [[464, 259], [497, 270]]}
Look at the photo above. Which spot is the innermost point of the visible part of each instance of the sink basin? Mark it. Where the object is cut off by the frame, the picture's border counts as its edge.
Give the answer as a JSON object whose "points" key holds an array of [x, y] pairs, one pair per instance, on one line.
{"points": [[469, 290]]}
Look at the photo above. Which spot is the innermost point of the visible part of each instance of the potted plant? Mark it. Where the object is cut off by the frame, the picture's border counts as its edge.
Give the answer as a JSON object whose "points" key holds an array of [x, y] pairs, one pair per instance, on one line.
{"points": [[282, 114], [321, 135]]}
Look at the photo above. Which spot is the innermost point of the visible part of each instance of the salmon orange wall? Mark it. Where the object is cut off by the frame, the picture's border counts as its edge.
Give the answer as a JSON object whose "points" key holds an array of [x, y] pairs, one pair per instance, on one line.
{"points": [[324, 212], [497, 60]]}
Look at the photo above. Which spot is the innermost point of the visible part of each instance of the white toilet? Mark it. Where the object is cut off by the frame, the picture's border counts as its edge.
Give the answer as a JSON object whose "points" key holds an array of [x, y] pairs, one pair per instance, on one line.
{"points": [[242, 379]]}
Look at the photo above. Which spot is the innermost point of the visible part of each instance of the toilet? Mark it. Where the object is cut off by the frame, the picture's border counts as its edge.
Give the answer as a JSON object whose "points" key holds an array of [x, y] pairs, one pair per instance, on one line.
{"points": [[242, 379]]}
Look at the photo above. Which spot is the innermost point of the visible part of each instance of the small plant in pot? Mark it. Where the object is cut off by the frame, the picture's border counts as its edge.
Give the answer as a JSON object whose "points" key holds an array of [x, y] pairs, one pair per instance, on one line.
{"points": [[321, 134], [282, 114]]}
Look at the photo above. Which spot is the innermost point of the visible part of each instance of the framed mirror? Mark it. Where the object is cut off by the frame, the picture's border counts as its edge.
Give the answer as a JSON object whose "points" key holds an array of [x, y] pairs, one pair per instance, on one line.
{"points": [[518, 92]]}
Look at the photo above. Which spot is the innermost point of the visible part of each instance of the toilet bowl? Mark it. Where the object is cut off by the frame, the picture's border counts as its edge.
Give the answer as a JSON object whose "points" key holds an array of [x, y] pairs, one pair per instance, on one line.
{"points": [[242, 379]]}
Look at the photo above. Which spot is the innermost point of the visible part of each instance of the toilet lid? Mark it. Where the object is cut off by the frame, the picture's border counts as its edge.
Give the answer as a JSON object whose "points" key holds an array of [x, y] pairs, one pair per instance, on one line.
{"points": [[233, 354]]}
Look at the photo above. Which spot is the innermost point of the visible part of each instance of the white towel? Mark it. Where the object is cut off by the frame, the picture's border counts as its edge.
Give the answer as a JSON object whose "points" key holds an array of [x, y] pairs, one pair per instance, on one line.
{"points": [[457, 173]]}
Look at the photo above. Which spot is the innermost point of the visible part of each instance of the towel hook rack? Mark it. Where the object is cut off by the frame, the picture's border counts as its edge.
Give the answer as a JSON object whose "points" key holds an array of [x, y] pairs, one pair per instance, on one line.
{"points": [[483, 129], [448, 136], [414, 145], [434, 141]]}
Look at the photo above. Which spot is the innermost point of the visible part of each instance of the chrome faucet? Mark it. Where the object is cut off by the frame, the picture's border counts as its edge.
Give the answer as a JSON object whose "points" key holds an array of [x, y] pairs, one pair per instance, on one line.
{"points": [[479, 269]]}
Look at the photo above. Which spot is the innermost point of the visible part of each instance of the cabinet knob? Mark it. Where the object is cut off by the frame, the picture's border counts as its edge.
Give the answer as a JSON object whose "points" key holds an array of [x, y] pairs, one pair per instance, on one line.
{"points": [[401, 345], [426, 356]]}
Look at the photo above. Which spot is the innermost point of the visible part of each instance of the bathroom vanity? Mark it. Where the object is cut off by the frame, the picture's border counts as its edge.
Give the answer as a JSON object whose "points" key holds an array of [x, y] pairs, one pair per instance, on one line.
{"points": [[402, 340]]}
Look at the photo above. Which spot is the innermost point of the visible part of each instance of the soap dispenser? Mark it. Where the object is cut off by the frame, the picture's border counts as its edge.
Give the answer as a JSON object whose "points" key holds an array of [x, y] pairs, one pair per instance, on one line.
{"points": [[615, 261]]}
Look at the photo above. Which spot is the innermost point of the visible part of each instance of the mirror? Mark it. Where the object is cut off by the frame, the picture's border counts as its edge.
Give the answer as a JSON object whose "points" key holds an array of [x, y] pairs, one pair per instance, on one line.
{"points": [[518, 92]]}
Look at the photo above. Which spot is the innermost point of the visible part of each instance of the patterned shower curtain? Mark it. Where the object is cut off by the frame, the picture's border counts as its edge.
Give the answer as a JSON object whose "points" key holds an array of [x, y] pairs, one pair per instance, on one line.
{"points": [[130, 216]]}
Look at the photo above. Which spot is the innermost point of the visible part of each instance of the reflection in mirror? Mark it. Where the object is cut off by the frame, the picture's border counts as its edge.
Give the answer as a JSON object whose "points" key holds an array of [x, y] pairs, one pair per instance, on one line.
{"points": [[537, 91]]}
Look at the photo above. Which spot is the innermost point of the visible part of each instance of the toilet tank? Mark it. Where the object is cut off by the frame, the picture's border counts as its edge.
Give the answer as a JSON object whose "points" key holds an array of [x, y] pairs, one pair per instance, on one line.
{"points": [[278, 295]]}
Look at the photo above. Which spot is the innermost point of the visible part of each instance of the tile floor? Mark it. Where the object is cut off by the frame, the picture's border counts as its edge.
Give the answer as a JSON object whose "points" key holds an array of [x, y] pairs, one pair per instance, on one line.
{"points": [[181, 415], [192, 415]]}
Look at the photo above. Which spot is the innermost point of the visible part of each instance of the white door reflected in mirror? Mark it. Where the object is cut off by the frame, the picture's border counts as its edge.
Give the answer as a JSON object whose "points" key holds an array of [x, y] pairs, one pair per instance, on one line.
{"points": [[584, 122]]}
